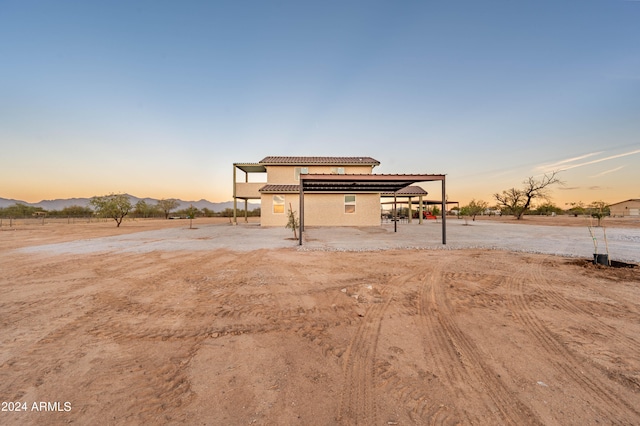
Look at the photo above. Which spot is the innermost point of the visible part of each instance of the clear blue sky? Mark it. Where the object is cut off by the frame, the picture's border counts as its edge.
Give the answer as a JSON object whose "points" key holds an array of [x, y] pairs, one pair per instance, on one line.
{"points": [[159, 98]]}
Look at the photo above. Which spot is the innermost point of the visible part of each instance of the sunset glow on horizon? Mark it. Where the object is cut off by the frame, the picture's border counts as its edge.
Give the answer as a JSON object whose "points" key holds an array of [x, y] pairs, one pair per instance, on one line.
{"points": [[159, 99]]}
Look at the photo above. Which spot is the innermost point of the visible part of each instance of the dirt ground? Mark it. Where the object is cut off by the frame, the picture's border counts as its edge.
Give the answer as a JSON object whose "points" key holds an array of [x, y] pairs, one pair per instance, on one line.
{"points": [[566, 220], [283, 336]]}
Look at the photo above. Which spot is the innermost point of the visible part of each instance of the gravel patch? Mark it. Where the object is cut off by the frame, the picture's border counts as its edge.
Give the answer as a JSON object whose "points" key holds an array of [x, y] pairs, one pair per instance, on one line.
{"points": [[623, 243]]}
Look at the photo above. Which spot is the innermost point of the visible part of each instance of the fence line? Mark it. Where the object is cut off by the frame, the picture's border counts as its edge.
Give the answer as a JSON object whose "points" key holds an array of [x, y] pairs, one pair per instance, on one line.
{"points": [[12, 222], [20, 221]]}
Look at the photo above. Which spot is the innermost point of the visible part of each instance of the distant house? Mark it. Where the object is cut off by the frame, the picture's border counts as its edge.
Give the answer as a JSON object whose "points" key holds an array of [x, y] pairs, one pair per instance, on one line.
{"points": [[323, 191], [625, 208]]}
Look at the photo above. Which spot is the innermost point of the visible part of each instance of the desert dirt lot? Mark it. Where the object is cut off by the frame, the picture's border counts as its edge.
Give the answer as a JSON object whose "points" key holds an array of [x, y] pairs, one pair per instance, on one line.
{"points": [[287, 336]]}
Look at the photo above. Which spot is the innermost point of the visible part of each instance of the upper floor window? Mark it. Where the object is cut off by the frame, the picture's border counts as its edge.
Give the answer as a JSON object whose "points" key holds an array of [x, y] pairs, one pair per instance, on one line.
{"points": [[300, 171], [337, 170]]}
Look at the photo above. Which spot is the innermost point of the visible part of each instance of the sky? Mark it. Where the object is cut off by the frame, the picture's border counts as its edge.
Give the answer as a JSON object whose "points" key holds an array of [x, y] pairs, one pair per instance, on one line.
{"points": [[159, 98]]}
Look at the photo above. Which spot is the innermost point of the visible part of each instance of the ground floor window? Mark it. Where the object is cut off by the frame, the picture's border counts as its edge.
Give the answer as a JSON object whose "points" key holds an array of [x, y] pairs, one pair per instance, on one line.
{"points": [[278, 203], [349, 203]]}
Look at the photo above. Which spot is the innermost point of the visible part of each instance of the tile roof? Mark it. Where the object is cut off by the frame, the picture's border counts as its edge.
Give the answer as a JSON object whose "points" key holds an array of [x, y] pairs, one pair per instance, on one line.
{"points": [[280, 188], [410, 190], [320, 160]]}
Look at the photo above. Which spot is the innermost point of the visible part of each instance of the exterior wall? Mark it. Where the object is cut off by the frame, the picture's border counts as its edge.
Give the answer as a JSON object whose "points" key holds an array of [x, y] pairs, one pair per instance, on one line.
{"points": [[269, 218], [625, 208], [320, 209], [285, 175], [328, 210], [324, 210]]}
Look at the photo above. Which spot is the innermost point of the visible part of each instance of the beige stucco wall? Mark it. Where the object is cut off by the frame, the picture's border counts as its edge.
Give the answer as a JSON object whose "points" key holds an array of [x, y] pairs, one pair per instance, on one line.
{"points": [[324, 210], [268, 217], [248, 190], [626, 208], [285, 175], [328, 210], [320, 209]]}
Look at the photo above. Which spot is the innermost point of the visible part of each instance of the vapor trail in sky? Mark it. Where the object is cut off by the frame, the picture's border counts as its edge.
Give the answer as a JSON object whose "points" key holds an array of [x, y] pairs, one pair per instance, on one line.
{"points": [[563, 165], [606, 172]]}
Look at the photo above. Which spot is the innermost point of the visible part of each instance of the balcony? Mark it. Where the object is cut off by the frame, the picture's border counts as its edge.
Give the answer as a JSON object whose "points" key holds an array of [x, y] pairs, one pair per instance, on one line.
{"points": [[248, 189]]}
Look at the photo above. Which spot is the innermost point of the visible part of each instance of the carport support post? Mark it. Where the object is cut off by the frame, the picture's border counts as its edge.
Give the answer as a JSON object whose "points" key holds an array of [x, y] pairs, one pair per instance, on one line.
{"points": [[235, 211], [235, 200], [444, 213], [246, 202], [301, 211], [395, 213], [420, 210]]}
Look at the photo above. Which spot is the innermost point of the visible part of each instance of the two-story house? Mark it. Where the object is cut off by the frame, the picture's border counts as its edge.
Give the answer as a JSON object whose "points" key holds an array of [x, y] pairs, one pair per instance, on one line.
{"points": [[325, 191], [281, 191]]}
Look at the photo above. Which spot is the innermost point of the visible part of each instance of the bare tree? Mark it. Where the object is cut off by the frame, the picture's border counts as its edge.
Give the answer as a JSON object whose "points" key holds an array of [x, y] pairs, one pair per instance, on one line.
{"points": [[518, 201]]}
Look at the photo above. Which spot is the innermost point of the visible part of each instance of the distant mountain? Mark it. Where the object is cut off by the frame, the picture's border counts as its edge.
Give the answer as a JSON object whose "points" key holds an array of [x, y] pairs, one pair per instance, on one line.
{"points": [[60, 204], [6, 202]]}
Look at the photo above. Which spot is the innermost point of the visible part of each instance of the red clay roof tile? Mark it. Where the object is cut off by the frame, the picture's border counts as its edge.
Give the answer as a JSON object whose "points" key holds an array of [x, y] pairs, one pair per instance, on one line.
{"points": [[320, 160]]}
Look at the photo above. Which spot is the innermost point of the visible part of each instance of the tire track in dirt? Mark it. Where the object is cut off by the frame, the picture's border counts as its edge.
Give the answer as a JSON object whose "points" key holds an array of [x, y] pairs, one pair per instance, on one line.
{"points": [[487, 282], [542, 284], [121, 318], [366, 376], [228, 304], [358, 398], [561, 358], [596, 326], [31, 353], [459, 358], [158, 382], [436, 344], [416, 395], [313, 323], [68, 285], [413, 394]]}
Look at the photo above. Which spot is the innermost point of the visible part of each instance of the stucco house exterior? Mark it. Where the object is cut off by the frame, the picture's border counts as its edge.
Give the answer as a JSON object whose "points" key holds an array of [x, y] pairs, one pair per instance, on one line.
{"points": [[625, 208], [281, 190], [337, 191]]}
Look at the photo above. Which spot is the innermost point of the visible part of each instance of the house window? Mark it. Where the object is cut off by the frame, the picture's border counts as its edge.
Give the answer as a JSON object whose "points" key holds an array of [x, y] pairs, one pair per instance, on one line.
{"points": [[278, 203], [300, 171], [337, 170], [349, 203]]}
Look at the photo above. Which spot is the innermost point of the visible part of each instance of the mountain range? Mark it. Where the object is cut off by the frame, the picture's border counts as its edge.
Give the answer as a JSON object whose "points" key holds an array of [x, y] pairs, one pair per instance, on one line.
{"points": [[61, 203]]}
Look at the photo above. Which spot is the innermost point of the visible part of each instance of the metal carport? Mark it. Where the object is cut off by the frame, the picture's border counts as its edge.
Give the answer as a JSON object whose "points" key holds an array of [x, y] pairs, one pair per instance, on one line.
{"points": [[365, 183]]}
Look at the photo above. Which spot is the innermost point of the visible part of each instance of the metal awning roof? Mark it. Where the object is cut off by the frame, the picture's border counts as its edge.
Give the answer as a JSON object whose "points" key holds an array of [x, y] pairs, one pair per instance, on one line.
{"points": [[409, 191], [251, 167], [371, 183], [363, 183]]}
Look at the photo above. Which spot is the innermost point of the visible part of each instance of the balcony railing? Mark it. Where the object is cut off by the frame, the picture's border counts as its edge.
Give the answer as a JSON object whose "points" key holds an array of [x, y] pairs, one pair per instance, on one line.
{"points": [[248, 189]]}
